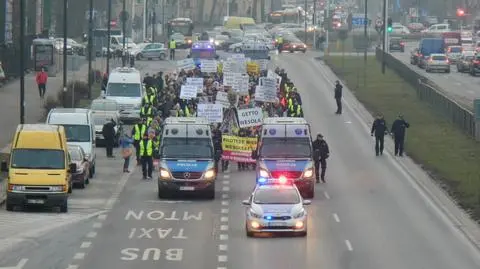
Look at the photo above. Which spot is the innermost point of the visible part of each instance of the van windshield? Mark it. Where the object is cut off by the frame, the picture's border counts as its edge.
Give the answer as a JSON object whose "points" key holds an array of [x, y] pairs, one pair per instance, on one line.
{"points": [[198, 148], [77, 133], [288, 147], [38, 159], [124, 90]]}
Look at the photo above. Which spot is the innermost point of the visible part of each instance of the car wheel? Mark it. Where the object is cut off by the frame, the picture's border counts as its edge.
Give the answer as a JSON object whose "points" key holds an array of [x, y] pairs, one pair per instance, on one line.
{"points": [[9, 206], [162, 56], [427, 70], [92, 171], [162, 194]]}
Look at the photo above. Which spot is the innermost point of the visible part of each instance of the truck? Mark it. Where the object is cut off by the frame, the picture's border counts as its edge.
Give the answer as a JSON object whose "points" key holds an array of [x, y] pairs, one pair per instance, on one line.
{"points": [[187, 163], [285, 150]]}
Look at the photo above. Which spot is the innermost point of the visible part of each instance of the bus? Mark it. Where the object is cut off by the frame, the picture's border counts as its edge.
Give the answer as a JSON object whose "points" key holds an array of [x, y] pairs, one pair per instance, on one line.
{"points": [[285, 16], [183, 26], [100, 38]]}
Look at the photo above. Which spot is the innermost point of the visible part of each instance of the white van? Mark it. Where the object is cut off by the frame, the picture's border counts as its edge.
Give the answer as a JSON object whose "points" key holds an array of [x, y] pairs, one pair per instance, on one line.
{"points": [[79, 127], [125, 87]]}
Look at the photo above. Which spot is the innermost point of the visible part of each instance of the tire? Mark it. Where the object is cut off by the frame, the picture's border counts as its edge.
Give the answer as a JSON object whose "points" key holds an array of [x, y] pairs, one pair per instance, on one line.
{"points": [[70, 188], [162, 56], [64, 207], [162, 194], [448, 71], [139, 57], [427, 70], [458, 69], [92, 172], [87, 181]]}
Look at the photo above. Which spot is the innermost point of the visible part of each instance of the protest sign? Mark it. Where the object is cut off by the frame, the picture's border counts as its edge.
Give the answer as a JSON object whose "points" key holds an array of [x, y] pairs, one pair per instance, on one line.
{"points": [[186, 64], [265, 94], [253, 67], [188, 92], [268, 82], [238, 149], [196, 82], [262, 64], [250, 117], [213, 112], [242, 82], [208, 66], [229, 79], [222, 98]]}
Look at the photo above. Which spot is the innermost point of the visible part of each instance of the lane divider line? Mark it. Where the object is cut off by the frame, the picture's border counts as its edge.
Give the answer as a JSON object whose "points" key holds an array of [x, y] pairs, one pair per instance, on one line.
{"points": [[224, 220], [97, 225], [226, 188], [92, 235], [86, 244], [225, 196], [72, 266], [326, 195], [79, 256], [335, 216], [349, 245]]}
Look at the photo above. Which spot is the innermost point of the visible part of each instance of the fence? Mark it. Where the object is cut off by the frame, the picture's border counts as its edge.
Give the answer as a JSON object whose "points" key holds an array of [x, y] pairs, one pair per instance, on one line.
{"points": [[432, 94]]}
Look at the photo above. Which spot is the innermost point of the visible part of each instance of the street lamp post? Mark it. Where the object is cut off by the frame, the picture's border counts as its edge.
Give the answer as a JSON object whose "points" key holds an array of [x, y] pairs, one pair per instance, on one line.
{"points": [[22, 61]]}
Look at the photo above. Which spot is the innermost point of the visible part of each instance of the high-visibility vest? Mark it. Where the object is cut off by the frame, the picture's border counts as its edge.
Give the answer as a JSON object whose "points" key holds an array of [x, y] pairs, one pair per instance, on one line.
{"points": [[153, 90], [148, 147], [186, 111], [146, 113], [139, 132], [149, 99], [290, 103], [280, 40], [296, 112], [173, 44]]}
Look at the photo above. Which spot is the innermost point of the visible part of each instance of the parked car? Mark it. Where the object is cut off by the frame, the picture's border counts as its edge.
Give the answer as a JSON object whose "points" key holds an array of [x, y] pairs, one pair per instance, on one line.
{"points": [[437, 62], [81, 176], [463, 64], [149, 51], [220, 42]]}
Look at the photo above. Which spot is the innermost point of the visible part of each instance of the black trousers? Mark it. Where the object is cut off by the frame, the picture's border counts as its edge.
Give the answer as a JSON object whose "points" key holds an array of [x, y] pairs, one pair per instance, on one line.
{"points": [[41, 89], [339, 105], [399, 143], [109, 143], [136, 144], [147, 166], [322, 163], [379, 140], [172, 54]]}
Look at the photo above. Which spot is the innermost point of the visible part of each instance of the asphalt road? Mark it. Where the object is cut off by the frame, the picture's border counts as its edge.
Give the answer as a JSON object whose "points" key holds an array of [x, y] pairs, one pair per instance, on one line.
{"points": [[367, 215], [461, 86]]}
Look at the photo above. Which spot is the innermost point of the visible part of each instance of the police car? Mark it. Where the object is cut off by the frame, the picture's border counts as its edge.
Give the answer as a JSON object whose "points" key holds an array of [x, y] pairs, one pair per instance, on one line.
{"points": [[276, 206]]}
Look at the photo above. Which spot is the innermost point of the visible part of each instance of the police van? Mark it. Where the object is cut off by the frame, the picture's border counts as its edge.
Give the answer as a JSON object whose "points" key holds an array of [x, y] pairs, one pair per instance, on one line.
{"points": [[285, 150], [256, 50], [186, 157], [126, 88]]}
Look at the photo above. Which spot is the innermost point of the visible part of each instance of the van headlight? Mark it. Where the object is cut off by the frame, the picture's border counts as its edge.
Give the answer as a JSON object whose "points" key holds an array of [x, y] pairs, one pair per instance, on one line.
{"points": [[308, 173], [164, 174], [12, 187], [263, 173], [57, 188], [209, 174], [137, 106], [299, 214], [255, 214]]}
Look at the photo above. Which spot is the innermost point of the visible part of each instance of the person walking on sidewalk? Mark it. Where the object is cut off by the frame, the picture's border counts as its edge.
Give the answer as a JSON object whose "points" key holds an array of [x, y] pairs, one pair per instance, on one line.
{"points": [[41, 79]]}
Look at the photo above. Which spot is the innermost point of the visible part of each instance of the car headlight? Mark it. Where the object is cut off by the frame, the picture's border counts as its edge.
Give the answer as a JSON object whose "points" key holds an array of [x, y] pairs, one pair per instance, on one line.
{"points": [[189, 41], [12, 187], [263, 173], [299, 214], [254, 214], [164, 174], [57, 188], [217, 43], [294, 46], [209, 174], [211, 40], [137, 106], [308, 173]]}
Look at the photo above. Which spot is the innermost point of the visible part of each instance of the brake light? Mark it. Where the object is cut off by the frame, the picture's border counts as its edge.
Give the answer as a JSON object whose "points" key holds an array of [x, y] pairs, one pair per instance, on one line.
{"points": [[402, 43], [476, 61]]}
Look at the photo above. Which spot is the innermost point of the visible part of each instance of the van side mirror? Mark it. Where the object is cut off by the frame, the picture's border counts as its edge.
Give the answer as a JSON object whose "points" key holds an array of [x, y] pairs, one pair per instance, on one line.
{"points": [[307, 202], [246, 202], [72, 167], [254, 154], [4, 167]]}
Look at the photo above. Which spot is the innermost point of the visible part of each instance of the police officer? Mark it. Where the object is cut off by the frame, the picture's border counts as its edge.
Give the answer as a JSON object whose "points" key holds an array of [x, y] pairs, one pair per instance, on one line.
{"points": [[146, 154], [150, 98], [147, 113], [379, 128], [338, 96], [217, 146], [138, 131], [398, 132], [172, 45], [280, 44], [321, 153], [295, 110]]}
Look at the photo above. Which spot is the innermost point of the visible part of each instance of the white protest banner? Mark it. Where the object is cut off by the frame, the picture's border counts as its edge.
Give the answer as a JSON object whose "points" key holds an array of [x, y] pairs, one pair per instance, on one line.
{"points": [[213, 112], [272, 74], [229, 79], [268, 82], [186, 64], [242, 82], [250, 117], [196, 82], [188, 92], [208, 66], [265, 94], [222, 98]]}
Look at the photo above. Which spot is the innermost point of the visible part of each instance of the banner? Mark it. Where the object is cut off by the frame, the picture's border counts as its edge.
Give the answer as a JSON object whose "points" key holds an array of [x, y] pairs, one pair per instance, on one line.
{"points": [[188, 92], [213, 112], [250, 117], [238, 149]]}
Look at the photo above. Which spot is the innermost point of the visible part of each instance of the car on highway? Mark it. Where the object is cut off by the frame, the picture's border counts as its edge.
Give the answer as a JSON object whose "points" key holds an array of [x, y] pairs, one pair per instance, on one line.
{"points": [[400, 29], [149, 51], [220, 42], [475, 65], [397, 44], [275, 206], [80, 177], [415, 27], [463, 64], [427, 47], [293, 45], [454, 53], [437, 62]]}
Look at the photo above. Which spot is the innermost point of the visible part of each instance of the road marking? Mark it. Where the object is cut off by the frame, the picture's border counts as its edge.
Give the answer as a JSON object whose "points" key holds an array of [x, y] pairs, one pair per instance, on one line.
{"points": [[86, 244], [121, 185], [71, 266], [335, 216], [19, 265], [226, 188], [225, 202], [226, 176], [92, 235], [225, 210], [79, 256], [224, 237], [224, 219], [221, 267], [226, 182], [326, 195], [348, 122], [97, 225], [102, 217], [222, 247], [349, 245], [225, 196], [222, 258], [224, 228]]}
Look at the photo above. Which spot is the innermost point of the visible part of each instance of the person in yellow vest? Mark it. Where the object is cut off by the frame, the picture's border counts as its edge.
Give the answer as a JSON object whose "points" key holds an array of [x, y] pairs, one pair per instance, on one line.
{"points": [[146, 147], [295, 110], [280, 44], [172, 45], [138, 131], [147, 112]]}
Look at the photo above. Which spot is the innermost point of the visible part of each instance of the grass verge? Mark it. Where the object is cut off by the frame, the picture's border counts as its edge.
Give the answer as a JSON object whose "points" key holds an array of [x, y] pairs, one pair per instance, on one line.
{"points": [[451, 157]]}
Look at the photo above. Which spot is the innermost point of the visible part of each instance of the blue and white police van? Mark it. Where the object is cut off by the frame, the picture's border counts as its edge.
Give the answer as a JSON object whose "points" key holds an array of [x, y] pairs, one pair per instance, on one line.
{"points": [[186, 158], [203, 50], [285, 150]]}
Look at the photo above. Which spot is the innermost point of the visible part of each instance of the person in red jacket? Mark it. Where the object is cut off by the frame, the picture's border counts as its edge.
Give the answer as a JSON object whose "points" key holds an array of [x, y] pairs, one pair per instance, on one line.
{"points": [[41, 79]]}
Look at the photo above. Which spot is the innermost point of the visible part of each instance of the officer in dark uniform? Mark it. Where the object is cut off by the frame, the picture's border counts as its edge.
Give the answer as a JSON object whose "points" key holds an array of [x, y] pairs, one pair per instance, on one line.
{"points": [[146, 147], [338, 96], [398, 132], [321, 153], [379, 128], [217, 147], [108, 132]]}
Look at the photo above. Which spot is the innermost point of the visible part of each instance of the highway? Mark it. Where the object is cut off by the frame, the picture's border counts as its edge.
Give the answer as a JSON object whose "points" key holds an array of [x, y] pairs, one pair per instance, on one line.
{"points": [[367, 216], [460, 86]]}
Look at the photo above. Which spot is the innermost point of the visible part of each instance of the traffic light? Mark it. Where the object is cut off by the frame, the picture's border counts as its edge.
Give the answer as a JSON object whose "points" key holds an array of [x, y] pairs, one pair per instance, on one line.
{"points": [[389, 25], [460, 12]]}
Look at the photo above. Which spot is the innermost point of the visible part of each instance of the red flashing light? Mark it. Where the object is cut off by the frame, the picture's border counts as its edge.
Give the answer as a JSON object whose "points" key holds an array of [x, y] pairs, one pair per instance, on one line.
{"points": [[460, 12]]}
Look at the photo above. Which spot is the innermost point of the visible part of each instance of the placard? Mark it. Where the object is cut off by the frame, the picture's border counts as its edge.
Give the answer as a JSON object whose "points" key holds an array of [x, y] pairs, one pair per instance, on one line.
{"points": [[242, 83], [253, 67], [229, 78], [186, 64], [222, 98], [195, 82], [262, 64], [188, 92], [268, 82], [208, 66], [265, 94], [213, 112], [250, 117]]}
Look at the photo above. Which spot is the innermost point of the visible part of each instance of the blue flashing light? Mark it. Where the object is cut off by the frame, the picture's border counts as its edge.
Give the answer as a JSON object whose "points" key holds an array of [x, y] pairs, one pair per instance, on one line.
{"points": [[268, 217], [262, 180]]}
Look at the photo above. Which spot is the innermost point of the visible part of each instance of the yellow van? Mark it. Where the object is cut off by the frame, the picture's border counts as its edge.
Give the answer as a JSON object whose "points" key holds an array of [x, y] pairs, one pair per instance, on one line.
{"points": [[39, 167], [238, 22]]}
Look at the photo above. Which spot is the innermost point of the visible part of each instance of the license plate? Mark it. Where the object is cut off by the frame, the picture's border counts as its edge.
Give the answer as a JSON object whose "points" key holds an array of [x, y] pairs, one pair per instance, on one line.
{"points": [[35, 201], [276, 224], [187, 188]]}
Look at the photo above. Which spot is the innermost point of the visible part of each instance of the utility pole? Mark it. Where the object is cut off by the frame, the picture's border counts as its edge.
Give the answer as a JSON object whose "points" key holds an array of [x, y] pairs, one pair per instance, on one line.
{"points": [[124, 30], [314, 22], [365, 34], [154, 24], [385, 34], [328, 23], [228, 8], [22, 61], [305, 19], [65, 28], [90, 48], [109, 34], [145, 20]]}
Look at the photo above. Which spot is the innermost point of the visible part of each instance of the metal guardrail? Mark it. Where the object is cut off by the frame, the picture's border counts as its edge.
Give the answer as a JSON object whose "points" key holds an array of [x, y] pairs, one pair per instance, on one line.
{"points": [[429, 92]]}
